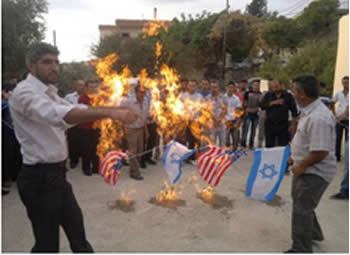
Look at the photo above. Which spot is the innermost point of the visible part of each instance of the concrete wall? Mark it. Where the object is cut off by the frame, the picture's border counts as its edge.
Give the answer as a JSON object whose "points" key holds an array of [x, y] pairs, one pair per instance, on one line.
{"points": [[342, 64]]}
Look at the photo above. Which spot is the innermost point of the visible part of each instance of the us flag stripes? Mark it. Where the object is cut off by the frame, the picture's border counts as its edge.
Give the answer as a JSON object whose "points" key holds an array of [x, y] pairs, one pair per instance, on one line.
{"points": [[213, 163], [110, 166]]}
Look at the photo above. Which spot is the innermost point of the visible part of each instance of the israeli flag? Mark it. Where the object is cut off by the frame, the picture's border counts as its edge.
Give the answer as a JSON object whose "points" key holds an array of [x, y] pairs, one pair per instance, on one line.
{"points": [[174, 155], [267, 172]]}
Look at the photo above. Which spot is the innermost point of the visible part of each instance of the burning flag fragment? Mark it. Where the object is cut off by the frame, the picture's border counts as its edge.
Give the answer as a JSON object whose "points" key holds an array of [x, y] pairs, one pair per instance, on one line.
{"points": [[174, 155], [169, 197], [214, 162], [110, 166], [267, 172]]}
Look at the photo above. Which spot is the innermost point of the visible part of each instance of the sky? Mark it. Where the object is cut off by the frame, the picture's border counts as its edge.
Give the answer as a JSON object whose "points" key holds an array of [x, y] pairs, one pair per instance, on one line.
{"points": [[76, 22]]}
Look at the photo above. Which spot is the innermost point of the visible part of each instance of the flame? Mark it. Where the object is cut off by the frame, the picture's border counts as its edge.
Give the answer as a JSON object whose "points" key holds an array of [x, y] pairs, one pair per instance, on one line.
{"points": [[172, 114], [207, 193], [110, 93], [169, 193], [126, 198], [152, 28]]}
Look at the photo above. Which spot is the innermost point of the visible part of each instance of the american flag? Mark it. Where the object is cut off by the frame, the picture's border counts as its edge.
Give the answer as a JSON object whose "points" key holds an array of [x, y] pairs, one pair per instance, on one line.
{"points": [[214, 162], [110, 166]]}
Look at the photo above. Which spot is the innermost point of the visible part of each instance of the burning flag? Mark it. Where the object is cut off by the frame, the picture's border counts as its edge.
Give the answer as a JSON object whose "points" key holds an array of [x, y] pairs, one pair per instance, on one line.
{"points": [[174, 154], [214, 162], [267, 172], [110, 166]]}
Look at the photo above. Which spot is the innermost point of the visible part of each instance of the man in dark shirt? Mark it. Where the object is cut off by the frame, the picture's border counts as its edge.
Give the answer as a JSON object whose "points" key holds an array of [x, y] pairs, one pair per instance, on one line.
{"points": [[251, 105], [277, 104]]}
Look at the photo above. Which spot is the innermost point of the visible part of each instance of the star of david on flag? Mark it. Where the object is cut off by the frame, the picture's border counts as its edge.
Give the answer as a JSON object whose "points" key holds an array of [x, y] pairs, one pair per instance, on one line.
{"points": [[110, 166], [174, 155], [267, 172]]}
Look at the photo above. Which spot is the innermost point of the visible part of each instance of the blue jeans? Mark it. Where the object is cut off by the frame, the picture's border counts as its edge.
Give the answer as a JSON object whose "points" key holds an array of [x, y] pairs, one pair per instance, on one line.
{"points": [[344, 186], [253, 119]]}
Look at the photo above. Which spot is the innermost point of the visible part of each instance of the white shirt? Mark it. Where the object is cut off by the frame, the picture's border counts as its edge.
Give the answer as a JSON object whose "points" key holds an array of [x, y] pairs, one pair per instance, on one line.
{"points": [[233, 102], [37, 113], [316, 132], [343, 102], [72, 97]]}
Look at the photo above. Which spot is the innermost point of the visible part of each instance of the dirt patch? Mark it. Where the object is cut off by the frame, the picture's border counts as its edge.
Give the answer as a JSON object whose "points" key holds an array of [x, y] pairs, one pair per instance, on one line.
{"points": [[171, 204], [276, 202], [121, 205], [217, 201]]}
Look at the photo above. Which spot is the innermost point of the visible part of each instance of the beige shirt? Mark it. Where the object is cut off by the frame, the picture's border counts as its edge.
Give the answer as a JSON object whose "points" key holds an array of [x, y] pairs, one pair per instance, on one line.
{"points": [[142, 110], [37, 113], [316, 132]]}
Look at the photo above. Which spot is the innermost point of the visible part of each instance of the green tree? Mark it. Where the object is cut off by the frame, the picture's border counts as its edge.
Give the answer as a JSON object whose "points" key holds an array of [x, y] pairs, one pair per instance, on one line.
{"points": [[136, 53], [307, 60], [257, 8], [320, 18], [22, 25], [282, 33]]}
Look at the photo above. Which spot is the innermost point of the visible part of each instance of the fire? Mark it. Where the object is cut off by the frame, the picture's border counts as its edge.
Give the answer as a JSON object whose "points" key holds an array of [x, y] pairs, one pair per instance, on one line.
{"points": [[169, 193], [110, 93], [152, 28], [125, 198], [172, 114], [207, 193]]}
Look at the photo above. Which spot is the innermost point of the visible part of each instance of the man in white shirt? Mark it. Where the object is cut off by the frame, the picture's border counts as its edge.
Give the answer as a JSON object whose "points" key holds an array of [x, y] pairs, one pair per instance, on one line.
{"points": [[342, 97], [74, 143], [79, 87], [191, 98], [219, 111], [232, 123], [137, 131], [40, 118], [313, 162]]}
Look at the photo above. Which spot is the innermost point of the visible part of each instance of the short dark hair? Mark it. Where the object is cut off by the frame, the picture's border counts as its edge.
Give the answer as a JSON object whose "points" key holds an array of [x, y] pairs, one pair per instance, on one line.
{"points": [[309, 84], [37, 50], [184, 80], [345, 78], [244, 80]]}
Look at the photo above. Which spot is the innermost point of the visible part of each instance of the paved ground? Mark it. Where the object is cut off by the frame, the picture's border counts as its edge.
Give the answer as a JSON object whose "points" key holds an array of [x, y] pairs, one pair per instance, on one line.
{"points": [[239, 225]]}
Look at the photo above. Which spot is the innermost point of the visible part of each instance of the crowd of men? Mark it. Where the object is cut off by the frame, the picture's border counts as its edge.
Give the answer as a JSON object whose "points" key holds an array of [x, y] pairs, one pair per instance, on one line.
{"points": [[239, 112], [43, 122]]}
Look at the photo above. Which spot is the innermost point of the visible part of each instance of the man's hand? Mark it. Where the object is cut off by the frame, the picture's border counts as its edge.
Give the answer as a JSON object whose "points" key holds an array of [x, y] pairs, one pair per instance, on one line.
{"points": [[298, 169], [125, 115]]}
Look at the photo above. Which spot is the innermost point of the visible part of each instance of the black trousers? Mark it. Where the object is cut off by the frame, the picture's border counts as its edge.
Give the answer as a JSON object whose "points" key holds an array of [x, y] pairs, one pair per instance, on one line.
{"points": [[276, 136], [307, 191], [50, 203], [73, 144], [151, 141], [341, 128], [11, 157], [89, 140]]}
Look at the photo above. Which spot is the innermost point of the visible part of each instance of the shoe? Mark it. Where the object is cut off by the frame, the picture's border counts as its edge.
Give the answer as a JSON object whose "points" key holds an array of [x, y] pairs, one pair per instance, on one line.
{"points": [[152, 162], [73, 164], [251, 148], [143, 164], [6, 184], [87, 173], [291, 251], [340, 196], [4, 192], [318, 239], [193, 162], [136, 177]]}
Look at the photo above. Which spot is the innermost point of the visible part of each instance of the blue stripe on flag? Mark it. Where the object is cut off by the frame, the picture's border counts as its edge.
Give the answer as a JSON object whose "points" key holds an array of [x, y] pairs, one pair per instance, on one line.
{"points": [[185, 156], [253, 172], [166, 152], [286, 155]]}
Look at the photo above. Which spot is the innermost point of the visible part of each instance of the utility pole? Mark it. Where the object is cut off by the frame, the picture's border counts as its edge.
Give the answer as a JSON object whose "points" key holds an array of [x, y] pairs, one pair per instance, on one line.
{"points": [[54, 38], [224, 44]]}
